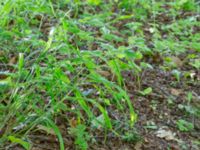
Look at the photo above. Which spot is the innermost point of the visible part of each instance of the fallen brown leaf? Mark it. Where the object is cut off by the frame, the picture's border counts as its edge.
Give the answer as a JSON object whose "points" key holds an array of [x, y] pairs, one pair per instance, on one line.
{"points": [[13, 60], [176, 92], [2, 53], [177, 61], [104, 73], [73, 122], [138, 146]]}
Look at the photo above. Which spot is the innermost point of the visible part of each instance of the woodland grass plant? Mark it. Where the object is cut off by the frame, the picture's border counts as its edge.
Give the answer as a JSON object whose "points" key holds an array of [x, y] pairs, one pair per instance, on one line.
{"points": [[65, 58]]}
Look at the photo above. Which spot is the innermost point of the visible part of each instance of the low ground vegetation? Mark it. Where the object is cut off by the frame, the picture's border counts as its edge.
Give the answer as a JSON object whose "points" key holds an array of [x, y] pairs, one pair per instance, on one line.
{"points": [[100, 74]]}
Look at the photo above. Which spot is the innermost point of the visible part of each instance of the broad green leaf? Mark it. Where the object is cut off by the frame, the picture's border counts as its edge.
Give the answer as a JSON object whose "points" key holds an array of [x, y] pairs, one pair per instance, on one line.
{"points": [[135, 55], [94, 2]]}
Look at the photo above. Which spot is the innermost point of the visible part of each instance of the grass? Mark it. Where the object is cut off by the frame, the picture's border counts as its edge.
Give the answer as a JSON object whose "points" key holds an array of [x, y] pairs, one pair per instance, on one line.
{"points": [[66, 58]]}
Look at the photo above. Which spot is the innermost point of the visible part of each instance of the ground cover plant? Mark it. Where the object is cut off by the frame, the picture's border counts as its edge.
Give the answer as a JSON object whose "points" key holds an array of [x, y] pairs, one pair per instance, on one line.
{"points": [[100, 74]]}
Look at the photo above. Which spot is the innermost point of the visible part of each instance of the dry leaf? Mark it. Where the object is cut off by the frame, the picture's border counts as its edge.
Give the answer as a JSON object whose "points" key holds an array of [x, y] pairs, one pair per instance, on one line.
{"points": [[166, 134], [2, 53], [73, 122], [104, 73], [177, 61], [13, 60], [176, 92], [138, 146], [2, 76]]}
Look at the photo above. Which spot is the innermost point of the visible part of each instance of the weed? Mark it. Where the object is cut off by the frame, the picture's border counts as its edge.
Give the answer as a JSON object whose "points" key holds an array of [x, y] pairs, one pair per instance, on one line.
{"points": [[81, 136], [184, 125]]}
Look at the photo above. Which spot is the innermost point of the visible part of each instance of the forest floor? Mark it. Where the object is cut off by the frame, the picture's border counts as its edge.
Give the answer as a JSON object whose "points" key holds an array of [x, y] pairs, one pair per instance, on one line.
{"points": [[157, 116], [89, 75]]}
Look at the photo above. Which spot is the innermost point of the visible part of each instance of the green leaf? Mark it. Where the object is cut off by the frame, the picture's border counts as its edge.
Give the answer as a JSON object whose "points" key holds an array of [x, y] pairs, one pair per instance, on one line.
{"points": [[135, 55], [106, 119], [5, 83], [21, 61], [176, 74], [147, 91], [57, 132], [94, 2], [82, 102], [114, 65], [98, 121], [184, 125], [81, 136], [26, 145]]}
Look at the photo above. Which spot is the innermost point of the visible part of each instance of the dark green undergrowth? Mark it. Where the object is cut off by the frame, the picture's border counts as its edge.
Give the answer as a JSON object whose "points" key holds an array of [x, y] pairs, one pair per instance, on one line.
{"points": [[65, 58]]}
